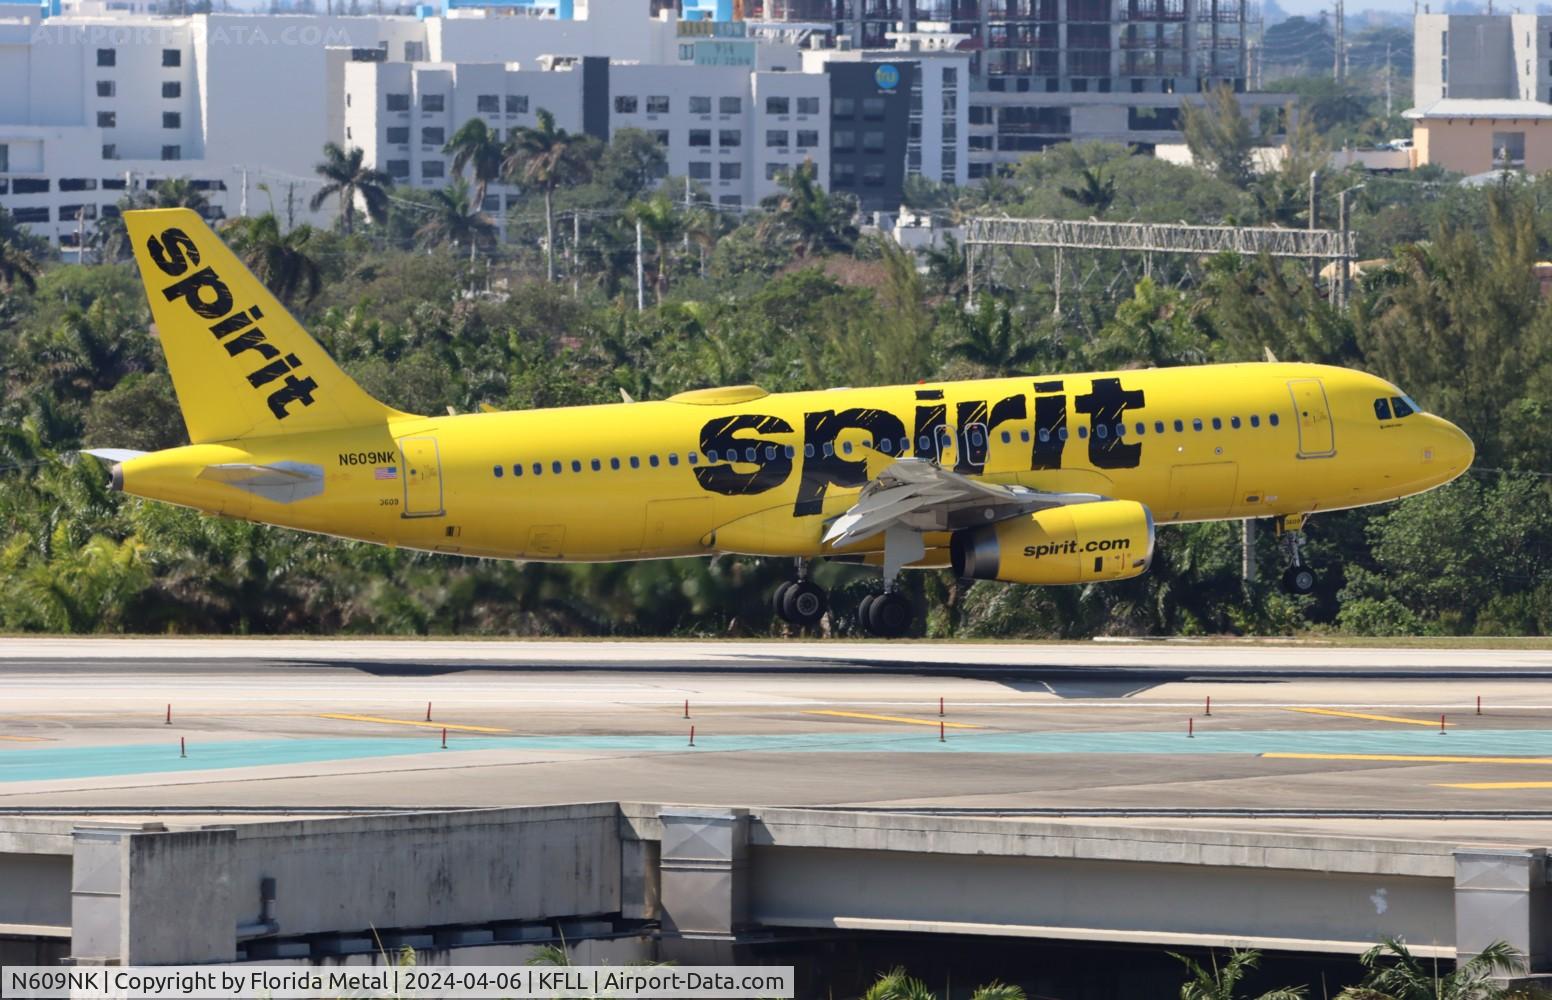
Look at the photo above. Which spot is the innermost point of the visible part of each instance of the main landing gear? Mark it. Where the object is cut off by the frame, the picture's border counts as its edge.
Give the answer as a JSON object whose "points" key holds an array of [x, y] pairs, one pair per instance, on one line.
{"points": [[1298, 578], [803, 603], [887, 615], [800, 602]]}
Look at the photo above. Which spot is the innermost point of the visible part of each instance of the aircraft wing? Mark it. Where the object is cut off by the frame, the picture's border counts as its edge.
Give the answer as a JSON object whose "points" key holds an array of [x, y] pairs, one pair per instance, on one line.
{"points": [[920, 496]]}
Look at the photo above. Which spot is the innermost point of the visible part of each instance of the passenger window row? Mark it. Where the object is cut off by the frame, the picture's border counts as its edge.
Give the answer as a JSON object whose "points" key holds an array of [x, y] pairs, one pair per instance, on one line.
{"points": [[556, 467], [888, 446]]}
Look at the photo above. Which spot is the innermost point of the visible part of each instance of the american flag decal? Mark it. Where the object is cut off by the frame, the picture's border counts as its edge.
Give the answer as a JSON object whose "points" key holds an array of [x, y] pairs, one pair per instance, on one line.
{"points": [[386, 472]]}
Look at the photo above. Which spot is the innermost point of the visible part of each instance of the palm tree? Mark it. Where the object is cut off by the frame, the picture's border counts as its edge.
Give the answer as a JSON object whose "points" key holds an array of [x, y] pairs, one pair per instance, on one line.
{"points": [[703, 227], [661, 221], [996, 990], [1222, 983], [806, 218], [550, 954], [279, 260], [18, 268], [949, 267], [348, 176], [180, 192], [1396, 974], [475, 145], [1096, 193], [546, 157], [456, 218], [897, 985], [988, 338]]}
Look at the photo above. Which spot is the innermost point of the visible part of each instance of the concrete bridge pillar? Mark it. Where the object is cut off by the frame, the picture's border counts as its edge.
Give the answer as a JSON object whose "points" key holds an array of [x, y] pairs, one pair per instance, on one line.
{"points": [[153, 897], [704, 882], [1501, 894]]}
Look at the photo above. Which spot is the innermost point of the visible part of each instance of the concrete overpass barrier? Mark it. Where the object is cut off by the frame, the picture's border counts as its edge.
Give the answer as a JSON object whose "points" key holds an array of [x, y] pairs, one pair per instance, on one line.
{"points": [[703, 882]]}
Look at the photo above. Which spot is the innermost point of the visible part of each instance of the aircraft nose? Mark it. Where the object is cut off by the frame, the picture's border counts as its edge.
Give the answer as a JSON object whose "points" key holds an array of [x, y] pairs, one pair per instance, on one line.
{"points": [[1448, 449]]}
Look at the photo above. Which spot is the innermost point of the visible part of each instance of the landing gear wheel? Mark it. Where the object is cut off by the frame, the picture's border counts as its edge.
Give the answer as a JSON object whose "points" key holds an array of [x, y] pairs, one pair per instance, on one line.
{"points": [[803, 603], [1299, 580], [887, 615], [864, 609], [779, 598]]}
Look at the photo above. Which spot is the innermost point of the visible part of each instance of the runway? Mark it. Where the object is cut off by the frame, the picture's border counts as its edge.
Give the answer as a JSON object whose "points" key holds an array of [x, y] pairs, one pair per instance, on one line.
{"points": [[340, 723]]}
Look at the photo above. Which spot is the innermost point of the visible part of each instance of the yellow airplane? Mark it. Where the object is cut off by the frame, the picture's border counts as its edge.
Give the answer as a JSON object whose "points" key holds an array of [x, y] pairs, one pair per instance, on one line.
{"points": [[1050, 479]]}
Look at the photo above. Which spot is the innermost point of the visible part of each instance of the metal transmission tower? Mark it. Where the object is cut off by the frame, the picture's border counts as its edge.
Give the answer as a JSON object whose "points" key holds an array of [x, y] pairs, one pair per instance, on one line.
{"points": [[1150, 238]]}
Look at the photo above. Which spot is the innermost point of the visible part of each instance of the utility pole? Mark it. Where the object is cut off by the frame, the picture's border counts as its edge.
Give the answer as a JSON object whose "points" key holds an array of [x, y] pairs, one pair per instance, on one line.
{"points": [[80, 235], [576, 254], [1056, 310], [1336, 56], [641, 288], [1387, 79], [243, 211], [1345, 263], [1314, 223], [1247, 536], [686, 213]]}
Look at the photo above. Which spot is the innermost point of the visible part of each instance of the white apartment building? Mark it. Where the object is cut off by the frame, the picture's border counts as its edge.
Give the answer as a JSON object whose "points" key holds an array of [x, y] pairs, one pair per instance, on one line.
{"points": [[731, 130], [1481, 56], [99, 102], [95, 102]]}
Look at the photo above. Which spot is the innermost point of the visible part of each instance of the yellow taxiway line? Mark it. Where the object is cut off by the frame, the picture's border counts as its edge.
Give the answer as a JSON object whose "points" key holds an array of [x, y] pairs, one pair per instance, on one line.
{"points": [[1364, 715], [1401, 758], [894, 718], [413, 722], [25, 739]]}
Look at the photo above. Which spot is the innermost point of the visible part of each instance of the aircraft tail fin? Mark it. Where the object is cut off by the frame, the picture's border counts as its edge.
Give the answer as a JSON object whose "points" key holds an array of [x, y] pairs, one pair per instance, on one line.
{"points": [[241, 365]]}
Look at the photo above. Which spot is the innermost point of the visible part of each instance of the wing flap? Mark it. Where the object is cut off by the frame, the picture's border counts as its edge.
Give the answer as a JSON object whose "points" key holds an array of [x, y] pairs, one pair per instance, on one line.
{"points": [[917, 495]]}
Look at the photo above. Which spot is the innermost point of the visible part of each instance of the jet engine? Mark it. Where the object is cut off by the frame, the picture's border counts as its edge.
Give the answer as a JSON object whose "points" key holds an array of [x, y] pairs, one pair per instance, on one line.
{"points": [[1076, 543]]}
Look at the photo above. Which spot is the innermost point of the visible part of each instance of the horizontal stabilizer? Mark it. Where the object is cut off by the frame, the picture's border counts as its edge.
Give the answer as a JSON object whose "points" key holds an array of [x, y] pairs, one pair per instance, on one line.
{"points": [[114, 455], [282, 482]]}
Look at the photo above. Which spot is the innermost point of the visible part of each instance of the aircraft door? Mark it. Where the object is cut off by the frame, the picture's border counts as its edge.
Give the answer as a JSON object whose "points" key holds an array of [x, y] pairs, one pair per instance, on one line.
{"points": [[422, 477], [1316, 438]]}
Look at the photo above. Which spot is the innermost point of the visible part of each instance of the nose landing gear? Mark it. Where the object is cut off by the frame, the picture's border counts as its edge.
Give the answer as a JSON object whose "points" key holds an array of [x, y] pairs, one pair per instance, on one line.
{"points": [[1298, 578]]}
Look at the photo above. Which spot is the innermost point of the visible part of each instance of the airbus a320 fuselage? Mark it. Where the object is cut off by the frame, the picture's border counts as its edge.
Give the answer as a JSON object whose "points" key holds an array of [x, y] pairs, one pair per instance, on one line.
{"points": [[1050, 479]]}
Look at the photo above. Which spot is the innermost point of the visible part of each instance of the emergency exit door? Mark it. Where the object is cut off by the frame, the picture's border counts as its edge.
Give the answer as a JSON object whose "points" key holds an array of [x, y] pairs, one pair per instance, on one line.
{"points": [[422, 477], [1315, 434]]}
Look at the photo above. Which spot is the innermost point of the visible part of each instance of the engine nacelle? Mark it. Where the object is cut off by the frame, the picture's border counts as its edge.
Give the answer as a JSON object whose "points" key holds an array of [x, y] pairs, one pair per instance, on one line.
{"points": [[1077, 543]]}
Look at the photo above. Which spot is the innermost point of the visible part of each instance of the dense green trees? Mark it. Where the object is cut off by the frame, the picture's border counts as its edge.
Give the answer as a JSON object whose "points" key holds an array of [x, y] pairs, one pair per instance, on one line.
{"points": [[791, 296], [1390, 972]]}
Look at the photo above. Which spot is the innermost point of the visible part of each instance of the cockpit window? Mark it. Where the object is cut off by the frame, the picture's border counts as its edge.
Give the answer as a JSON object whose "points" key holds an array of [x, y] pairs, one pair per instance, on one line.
{"points": [[1382, 408], [1403, 406]]}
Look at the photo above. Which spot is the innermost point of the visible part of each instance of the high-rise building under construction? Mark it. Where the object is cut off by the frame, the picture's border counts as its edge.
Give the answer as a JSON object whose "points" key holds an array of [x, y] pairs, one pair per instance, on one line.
{"points": [[1050, 71]]}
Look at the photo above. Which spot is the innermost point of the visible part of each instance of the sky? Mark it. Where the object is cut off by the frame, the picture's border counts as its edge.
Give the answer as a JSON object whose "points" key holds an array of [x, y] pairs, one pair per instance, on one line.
{"points": [[1404, 8]]}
